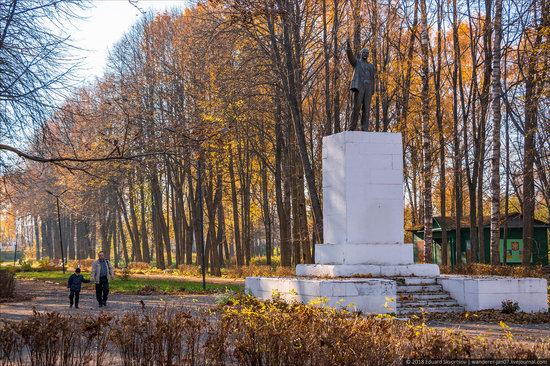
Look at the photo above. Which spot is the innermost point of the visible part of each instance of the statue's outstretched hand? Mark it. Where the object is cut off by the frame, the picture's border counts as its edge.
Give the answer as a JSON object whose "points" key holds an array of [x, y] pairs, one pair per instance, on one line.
{"points": [[349, 52]]}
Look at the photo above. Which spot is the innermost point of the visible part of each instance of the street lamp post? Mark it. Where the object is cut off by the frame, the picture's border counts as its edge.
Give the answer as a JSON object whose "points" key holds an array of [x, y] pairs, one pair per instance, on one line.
{"points": [[59, 226]]}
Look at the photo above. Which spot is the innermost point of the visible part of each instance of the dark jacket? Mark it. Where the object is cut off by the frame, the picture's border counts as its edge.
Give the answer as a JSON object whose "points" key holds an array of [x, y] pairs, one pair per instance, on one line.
{"points": [[363, 74], [75, 281]]}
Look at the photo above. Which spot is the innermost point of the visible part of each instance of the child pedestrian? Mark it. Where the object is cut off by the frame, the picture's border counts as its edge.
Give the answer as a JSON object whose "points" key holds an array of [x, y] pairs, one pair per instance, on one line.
{"points": [[75, 282]]}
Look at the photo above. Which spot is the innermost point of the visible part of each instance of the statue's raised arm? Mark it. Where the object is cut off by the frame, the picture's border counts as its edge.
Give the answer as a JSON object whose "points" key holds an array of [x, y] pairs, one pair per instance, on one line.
{"points": [[361, 88], [349, 52]]}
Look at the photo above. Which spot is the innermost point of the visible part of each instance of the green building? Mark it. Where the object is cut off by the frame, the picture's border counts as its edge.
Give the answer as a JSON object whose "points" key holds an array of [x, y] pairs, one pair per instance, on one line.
{"points": [[514, 247]]}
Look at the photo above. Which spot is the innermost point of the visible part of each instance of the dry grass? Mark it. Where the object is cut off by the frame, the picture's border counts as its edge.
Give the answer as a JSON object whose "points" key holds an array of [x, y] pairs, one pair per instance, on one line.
{"points": [[258, 270], [490, 316], [245, 332], [279, 333], [477, 269]]}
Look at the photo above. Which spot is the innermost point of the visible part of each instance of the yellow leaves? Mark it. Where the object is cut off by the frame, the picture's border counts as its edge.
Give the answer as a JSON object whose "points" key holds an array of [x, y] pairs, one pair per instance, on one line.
{"points": [[319, 301], [506, 330], [387, 305]]}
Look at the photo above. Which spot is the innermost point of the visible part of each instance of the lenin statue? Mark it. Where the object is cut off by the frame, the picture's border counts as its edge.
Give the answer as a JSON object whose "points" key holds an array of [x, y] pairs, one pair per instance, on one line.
{"points": [[362, 88]]}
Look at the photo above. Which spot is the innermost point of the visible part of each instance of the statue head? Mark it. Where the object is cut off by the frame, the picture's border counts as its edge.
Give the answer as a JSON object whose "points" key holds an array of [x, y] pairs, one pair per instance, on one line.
{"points": [[364, 54]]}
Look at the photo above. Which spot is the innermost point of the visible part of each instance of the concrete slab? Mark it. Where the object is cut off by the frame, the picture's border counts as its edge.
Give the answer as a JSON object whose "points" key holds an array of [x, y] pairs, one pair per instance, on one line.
{"points": [[480, 293], [354, 270], [366, 295], [378, 254]]}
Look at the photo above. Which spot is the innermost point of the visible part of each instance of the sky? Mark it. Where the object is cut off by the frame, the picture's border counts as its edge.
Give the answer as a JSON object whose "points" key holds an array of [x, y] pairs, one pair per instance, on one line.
{"points": [[103, 24]]}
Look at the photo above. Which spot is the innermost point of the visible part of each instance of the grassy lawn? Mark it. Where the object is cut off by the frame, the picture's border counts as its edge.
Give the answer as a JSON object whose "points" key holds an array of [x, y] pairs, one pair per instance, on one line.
{"points": [[6, 258], [133, 284]]}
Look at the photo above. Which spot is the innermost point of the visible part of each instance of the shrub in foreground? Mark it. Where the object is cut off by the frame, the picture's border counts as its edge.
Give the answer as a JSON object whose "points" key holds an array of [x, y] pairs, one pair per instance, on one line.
{"points": [[7, 284], [244, 332], [510, 307], [275, 333]]}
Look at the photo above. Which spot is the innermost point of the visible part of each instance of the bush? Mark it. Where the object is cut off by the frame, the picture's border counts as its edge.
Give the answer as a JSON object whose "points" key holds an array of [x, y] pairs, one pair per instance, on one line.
{"points": [[277, 333], [247, 332], [83, 264], [163, 337], [25, 265], [7, 284], [255, 270], [54, 339], [262, 261], [189, 270], [47, 264], [510, 307], [142, 266], [125, 274]]}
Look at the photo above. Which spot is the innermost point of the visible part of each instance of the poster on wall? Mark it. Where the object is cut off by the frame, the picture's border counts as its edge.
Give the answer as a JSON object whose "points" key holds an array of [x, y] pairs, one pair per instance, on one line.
{"points": [[514, 250]]}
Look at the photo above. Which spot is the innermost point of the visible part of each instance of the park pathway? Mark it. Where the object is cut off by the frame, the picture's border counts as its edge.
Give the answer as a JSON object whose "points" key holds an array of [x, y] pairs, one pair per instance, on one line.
{"points": [[48, 296]]}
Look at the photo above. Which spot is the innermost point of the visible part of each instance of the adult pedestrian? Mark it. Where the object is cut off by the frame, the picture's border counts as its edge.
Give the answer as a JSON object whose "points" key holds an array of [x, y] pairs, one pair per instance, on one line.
{"points": [[102, 272]]}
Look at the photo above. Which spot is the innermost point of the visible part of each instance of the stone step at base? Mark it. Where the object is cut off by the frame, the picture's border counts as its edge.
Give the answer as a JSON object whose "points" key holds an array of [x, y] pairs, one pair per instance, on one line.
{"points": [[442, 309], [419, 288], [423, 295], [405, 281], [429, 303]]}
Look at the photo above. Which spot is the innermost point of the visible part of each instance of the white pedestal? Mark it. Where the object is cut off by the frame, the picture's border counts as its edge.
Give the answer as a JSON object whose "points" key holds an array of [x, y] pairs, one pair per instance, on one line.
{"points": [[481, 293], [363, 209], [363, 212], [363, 188], [358, 294], [363, 230]]}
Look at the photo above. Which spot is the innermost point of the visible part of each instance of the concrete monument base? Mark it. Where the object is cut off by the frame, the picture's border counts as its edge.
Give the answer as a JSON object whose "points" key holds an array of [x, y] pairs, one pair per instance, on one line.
{"points": [[363, 227], [483, 293], [356, 294], [367, 270]]}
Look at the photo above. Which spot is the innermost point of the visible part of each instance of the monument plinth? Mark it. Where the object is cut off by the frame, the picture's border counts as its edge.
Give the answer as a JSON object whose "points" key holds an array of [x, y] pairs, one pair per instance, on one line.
{"points": [[363, 209], [363, 229]]}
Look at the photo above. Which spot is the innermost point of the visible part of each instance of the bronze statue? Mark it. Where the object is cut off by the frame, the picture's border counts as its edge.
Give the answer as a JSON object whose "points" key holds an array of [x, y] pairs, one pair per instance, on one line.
{"points": [[362, 88]]}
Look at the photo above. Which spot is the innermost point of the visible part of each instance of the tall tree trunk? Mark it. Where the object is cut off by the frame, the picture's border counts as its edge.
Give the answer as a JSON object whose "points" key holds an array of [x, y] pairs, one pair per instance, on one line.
{"points": [[439, 119], [234, 200], [266, 213], [336, 68], [144, 235], [456, 140], [495, 158], [123, 241], [37, 237], [136, 242], [327, 130], [531, 108], [282, 212], [426, 137]]}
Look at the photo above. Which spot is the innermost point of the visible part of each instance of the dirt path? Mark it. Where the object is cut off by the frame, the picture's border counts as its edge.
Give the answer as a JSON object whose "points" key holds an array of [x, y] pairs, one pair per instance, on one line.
{"points": [[524, 332], [47, 296], [52, 297]]}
